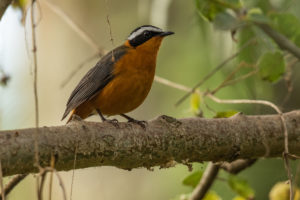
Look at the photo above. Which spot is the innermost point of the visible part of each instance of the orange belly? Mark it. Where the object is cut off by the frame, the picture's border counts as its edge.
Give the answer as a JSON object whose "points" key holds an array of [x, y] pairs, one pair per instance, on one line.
{"points": [[123, 95]]}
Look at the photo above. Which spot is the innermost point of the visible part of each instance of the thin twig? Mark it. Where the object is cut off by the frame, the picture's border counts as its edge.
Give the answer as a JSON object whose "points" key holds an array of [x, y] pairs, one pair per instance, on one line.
{"points": [[228, 78], [50, 185], [297, 174], [292, 156], [234, 81], [214, 98], [288, 169], [287, 78], [73, 173], [41, 188], [35, 71], [45, 170], [109, 27], [12, 183], [171, 84], [61, 184], [238, 165], [206, 181], [40, 17], [36, 101], [80, 31], [210, 74], [243, 101], [52, 164], [72, 74], [283, 42], [1, 183]]}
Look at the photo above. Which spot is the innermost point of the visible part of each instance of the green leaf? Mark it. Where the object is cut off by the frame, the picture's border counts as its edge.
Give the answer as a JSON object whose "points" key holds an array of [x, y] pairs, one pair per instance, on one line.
{"points": [[253, 51], [240, 186], [211, 195], [271, 66], [257, 15], [195, 103], [208, 9], [225, 21], [286, 23], [193, 179], [225, 114]]}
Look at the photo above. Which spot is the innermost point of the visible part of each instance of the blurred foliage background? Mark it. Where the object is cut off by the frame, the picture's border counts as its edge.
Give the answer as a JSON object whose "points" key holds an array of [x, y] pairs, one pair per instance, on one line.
{"points": [[203, 39]]}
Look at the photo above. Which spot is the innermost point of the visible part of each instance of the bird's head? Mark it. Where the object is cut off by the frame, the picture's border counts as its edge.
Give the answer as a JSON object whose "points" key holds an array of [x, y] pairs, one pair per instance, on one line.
{"points": [[146, 37]]}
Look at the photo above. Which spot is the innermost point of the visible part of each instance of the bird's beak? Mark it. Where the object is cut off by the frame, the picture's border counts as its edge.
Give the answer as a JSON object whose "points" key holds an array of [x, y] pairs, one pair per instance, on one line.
{"points": [[163, 34]]}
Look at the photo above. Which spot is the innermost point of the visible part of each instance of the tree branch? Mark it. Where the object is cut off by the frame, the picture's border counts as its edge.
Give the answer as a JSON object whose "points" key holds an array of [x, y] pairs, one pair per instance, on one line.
{"points": [[238, 165], [283, 42], [3, 5], [211, 173], [206, 181], [164, 141]]}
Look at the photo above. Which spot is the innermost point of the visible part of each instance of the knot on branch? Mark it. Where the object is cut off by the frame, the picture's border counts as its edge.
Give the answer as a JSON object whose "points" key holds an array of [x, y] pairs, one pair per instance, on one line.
{"points": [[169, 121]]}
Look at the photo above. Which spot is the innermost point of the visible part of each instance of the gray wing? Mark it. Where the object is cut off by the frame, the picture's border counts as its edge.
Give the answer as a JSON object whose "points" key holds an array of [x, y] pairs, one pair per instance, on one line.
{"points": [[95, 79]]}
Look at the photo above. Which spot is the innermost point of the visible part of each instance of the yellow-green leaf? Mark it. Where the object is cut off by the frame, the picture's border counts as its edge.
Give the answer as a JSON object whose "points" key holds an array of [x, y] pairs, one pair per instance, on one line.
{"points": [[271, 66], [193, 179], [226, 114], [239, 198], [211, 195], [195, 103], [240, 186]]}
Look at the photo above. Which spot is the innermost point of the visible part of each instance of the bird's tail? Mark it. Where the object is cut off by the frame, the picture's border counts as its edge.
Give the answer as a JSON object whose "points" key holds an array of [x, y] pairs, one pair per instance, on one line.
{"points": [[70, 118]]}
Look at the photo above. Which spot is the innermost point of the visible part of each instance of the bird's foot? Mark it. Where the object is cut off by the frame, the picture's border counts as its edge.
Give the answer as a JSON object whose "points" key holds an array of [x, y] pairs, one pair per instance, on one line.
{"points": [[130, 119], [114, 122], [142, 123]]}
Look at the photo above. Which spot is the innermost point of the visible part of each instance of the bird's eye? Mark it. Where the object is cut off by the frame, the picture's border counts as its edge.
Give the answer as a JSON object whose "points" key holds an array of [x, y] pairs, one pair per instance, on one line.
{"points": [[147, 34]]}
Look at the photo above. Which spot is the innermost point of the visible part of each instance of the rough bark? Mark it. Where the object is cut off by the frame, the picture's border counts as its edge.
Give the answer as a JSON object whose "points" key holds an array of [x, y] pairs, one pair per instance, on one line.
{"points": [[164, 141], [3, 5]]}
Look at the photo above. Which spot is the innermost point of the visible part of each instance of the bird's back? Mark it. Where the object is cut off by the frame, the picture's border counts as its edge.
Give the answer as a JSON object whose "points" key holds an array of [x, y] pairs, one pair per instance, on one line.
{"points": [[95, 79]]}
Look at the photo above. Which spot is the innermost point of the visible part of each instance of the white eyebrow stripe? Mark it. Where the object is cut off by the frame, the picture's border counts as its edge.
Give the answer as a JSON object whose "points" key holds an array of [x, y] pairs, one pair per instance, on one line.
{"points": [[141, 30]]}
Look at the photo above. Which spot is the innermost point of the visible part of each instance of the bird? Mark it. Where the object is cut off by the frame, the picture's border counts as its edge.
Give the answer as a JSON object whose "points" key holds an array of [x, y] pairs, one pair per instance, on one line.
{"points": [[121, 79]]}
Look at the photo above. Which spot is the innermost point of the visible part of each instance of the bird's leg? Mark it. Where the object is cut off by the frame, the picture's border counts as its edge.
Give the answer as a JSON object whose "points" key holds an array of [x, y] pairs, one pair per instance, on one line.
{"points": [[130, 119], [112, 121]]}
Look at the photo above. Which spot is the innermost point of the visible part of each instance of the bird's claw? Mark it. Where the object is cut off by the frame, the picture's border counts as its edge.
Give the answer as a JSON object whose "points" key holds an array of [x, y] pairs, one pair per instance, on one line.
{"points": [[142, 123], [114, 122]]}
